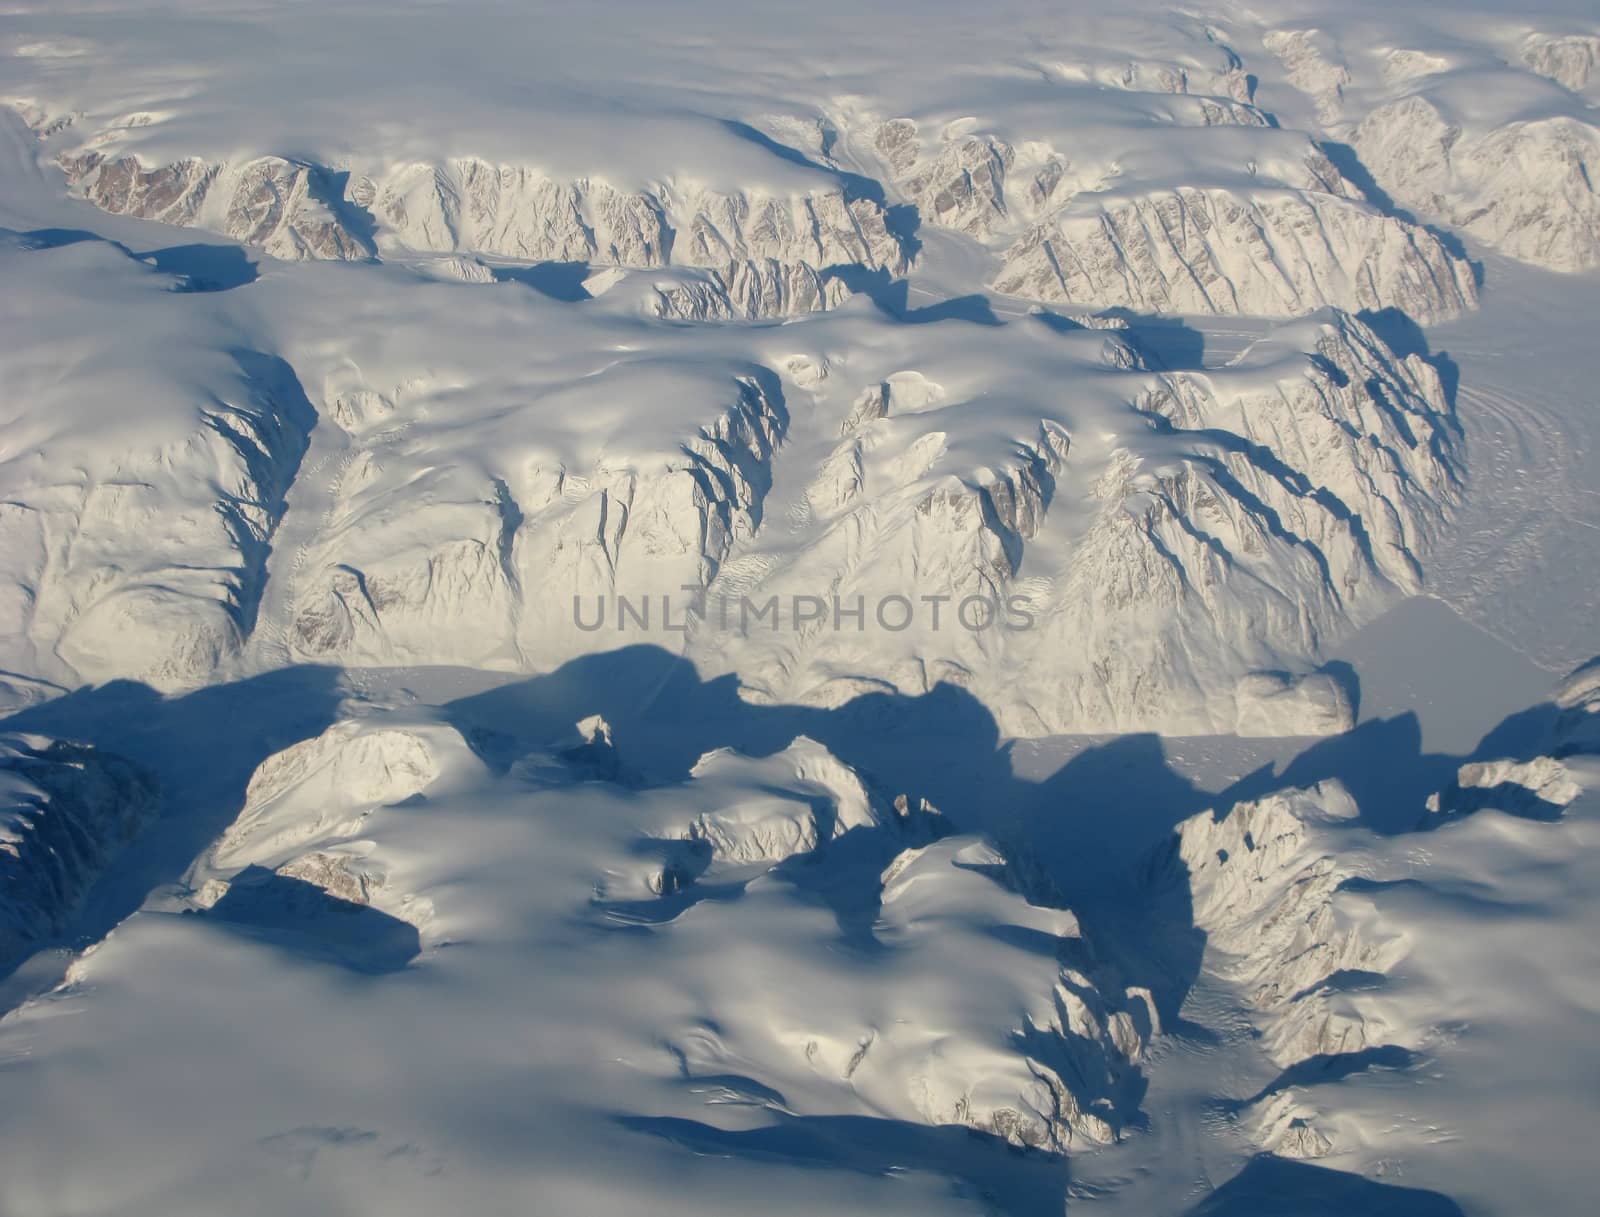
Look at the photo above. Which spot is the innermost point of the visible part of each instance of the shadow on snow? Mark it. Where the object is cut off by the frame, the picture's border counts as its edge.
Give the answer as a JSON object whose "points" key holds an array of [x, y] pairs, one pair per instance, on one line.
{"points": [[1089, 829]]}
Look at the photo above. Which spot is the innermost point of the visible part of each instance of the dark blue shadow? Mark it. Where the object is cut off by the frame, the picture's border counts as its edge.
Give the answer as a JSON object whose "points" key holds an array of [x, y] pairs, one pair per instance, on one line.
{"points": [[558, 280], [204, 268], [996, 1176], [1278, 1187], [300, 917]]}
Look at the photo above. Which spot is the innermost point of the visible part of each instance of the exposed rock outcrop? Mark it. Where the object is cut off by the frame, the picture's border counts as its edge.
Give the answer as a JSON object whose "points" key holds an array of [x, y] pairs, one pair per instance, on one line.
{"points": [[767, 254], [1541, 786], [1266, 884], [1270, 252], [1570, 60], [531, 568], [288, 209], [1335, 481], [1311, 69], [1529, 189]]}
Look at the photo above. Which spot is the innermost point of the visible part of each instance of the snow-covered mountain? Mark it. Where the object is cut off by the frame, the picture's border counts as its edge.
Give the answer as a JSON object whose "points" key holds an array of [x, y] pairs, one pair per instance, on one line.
{"points": [[612, 609], [770, 254], [1526, 188], [1338, 941], [468, 498], [144, 477], [1464, 132]]}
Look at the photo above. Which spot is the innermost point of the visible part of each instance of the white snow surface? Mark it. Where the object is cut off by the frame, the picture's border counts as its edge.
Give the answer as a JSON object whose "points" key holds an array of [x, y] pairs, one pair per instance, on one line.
{"points": [[886, 609], [800, 949]]}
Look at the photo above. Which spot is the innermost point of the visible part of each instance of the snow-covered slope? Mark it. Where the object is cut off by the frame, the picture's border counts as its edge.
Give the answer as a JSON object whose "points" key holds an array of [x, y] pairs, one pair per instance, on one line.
{"points": [[1283, 234], [1526, 188], [298, 211], [142, 474], [288, 210], [1167, 550], [1339, 943], [469, 498], [769, 938], [1264, 250], [598, 518], [1544, 783], [1269, 886], [1267, 253], [1470, 123], [468, 487], [1213, 210], [1568, 59]]}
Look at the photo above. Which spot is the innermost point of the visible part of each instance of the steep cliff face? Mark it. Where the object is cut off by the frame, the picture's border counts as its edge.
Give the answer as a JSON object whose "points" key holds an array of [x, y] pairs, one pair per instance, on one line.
{"points": [[521, 213], [564, 496], [1462, 135], [1268, 887], [1312, 69], [1569, 59], [1265, 252], [973, 183], [1359, 955], [1275, 887], [767, 255], [292, 211], [1297, 238], [1243, 514], [748, 291], [1178, 554], [1555, 773], [1180, 545], [525, 569], [1237, 532]]}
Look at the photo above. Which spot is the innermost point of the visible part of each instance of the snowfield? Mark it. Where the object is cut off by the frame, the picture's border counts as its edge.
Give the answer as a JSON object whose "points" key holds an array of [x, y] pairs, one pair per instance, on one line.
{"points": [[705, 610]]}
